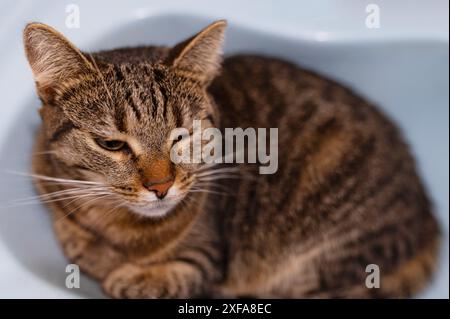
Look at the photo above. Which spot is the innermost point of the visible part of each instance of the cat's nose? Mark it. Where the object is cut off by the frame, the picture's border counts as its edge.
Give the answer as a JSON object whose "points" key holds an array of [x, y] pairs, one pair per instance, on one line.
{"points": [[160, 188]]}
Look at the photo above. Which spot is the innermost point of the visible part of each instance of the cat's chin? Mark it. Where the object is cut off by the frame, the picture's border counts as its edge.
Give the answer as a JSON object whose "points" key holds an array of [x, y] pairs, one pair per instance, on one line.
{"points": [[158, 210]]}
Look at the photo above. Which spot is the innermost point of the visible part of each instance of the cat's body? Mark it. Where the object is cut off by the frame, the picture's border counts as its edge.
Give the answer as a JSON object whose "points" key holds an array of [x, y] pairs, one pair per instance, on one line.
{"points": [[345, 196]]}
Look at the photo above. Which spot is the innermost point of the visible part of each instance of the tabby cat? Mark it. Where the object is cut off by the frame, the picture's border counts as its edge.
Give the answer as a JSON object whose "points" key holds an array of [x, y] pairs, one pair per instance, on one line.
{"points": [[346, 194]]}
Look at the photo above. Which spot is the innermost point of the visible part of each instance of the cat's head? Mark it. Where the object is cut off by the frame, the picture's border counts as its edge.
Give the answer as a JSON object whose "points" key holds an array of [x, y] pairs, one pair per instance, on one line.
{"points": [[108, 118]]}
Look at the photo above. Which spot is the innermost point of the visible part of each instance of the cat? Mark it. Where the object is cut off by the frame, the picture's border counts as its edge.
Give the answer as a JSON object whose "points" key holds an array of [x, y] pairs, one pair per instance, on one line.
{"points": [[346, 194]]}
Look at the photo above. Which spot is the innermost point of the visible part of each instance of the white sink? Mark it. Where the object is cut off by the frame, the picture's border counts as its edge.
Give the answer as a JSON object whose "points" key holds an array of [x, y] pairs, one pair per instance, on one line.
{"points": [[403, 67]]}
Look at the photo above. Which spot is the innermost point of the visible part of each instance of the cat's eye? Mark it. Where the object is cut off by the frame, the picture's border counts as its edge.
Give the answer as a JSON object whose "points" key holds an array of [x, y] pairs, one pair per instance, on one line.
{"points": [[110, 145]]}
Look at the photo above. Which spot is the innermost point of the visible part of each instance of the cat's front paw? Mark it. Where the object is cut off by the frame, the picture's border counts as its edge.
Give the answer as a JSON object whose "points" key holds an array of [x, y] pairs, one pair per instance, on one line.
{"points": [[132, 281]]}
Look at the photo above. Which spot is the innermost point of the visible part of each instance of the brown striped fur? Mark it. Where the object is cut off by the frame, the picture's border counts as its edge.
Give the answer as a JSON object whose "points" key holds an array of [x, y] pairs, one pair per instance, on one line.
{"points": [[346, 193]]}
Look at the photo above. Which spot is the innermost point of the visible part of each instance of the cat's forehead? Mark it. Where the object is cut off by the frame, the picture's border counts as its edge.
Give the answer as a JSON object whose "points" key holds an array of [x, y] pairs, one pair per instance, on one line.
{"points": [[137, 72], [141, 99]]}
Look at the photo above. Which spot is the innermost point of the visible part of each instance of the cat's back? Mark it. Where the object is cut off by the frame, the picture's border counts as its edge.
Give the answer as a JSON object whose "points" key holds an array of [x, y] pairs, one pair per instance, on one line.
{"points": [[345, 175], [263, 90]]}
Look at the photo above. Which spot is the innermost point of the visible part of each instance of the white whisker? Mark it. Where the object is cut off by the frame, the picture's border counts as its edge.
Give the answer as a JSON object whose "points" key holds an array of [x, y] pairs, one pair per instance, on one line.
{"points": [[54, 179], [233, 170], [71, 191], [217, 177], [83, 205], [52, 200], [194, 190]]}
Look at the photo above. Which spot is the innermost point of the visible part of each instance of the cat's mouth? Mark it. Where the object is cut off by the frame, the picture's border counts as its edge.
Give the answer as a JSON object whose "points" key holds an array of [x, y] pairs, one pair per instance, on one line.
{"points": [[155, 207]]}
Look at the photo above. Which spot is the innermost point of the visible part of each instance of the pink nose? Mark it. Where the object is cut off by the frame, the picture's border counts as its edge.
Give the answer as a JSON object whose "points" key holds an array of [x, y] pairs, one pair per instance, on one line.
{"points": [[159, 188]]}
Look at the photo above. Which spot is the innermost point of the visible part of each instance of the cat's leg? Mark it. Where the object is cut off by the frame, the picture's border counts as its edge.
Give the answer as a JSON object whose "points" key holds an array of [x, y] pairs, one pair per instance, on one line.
{"points": [[190, 274], [190, 269], [176, 279], [83, 248]]}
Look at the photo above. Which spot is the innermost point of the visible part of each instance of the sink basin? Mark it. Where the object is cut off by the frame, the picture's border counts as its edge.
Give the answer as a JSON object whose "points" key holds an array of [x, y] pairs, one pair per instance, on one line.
{"points": [[403, 69]]}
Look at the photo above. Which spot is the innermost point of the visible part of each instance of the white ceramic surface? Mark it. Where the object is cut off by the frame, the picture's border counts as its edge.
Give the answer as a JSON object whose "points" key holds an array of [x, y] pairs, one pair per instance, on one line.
{"points": [[403, 67]]}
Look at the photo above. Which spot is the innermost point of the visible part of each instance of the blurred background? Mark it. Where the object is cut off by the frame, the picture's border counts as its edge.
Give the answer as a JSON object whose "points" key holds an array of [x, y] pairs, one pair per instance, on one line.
{"points": [[393, 52]]}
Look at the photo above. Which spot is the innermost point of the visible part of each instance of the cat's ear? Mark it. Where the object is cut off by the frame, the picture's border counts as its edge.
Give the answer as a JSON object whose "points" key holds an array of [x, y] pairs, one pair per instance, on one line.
{"points": [[53, 59], [201, 54]]}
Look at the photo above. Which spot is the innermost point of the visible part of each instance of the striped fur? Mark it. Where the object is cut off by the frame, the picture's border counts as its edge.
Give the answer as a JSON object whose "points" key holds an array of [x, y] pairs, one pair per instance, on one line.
{"points": [[346, 193]]}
